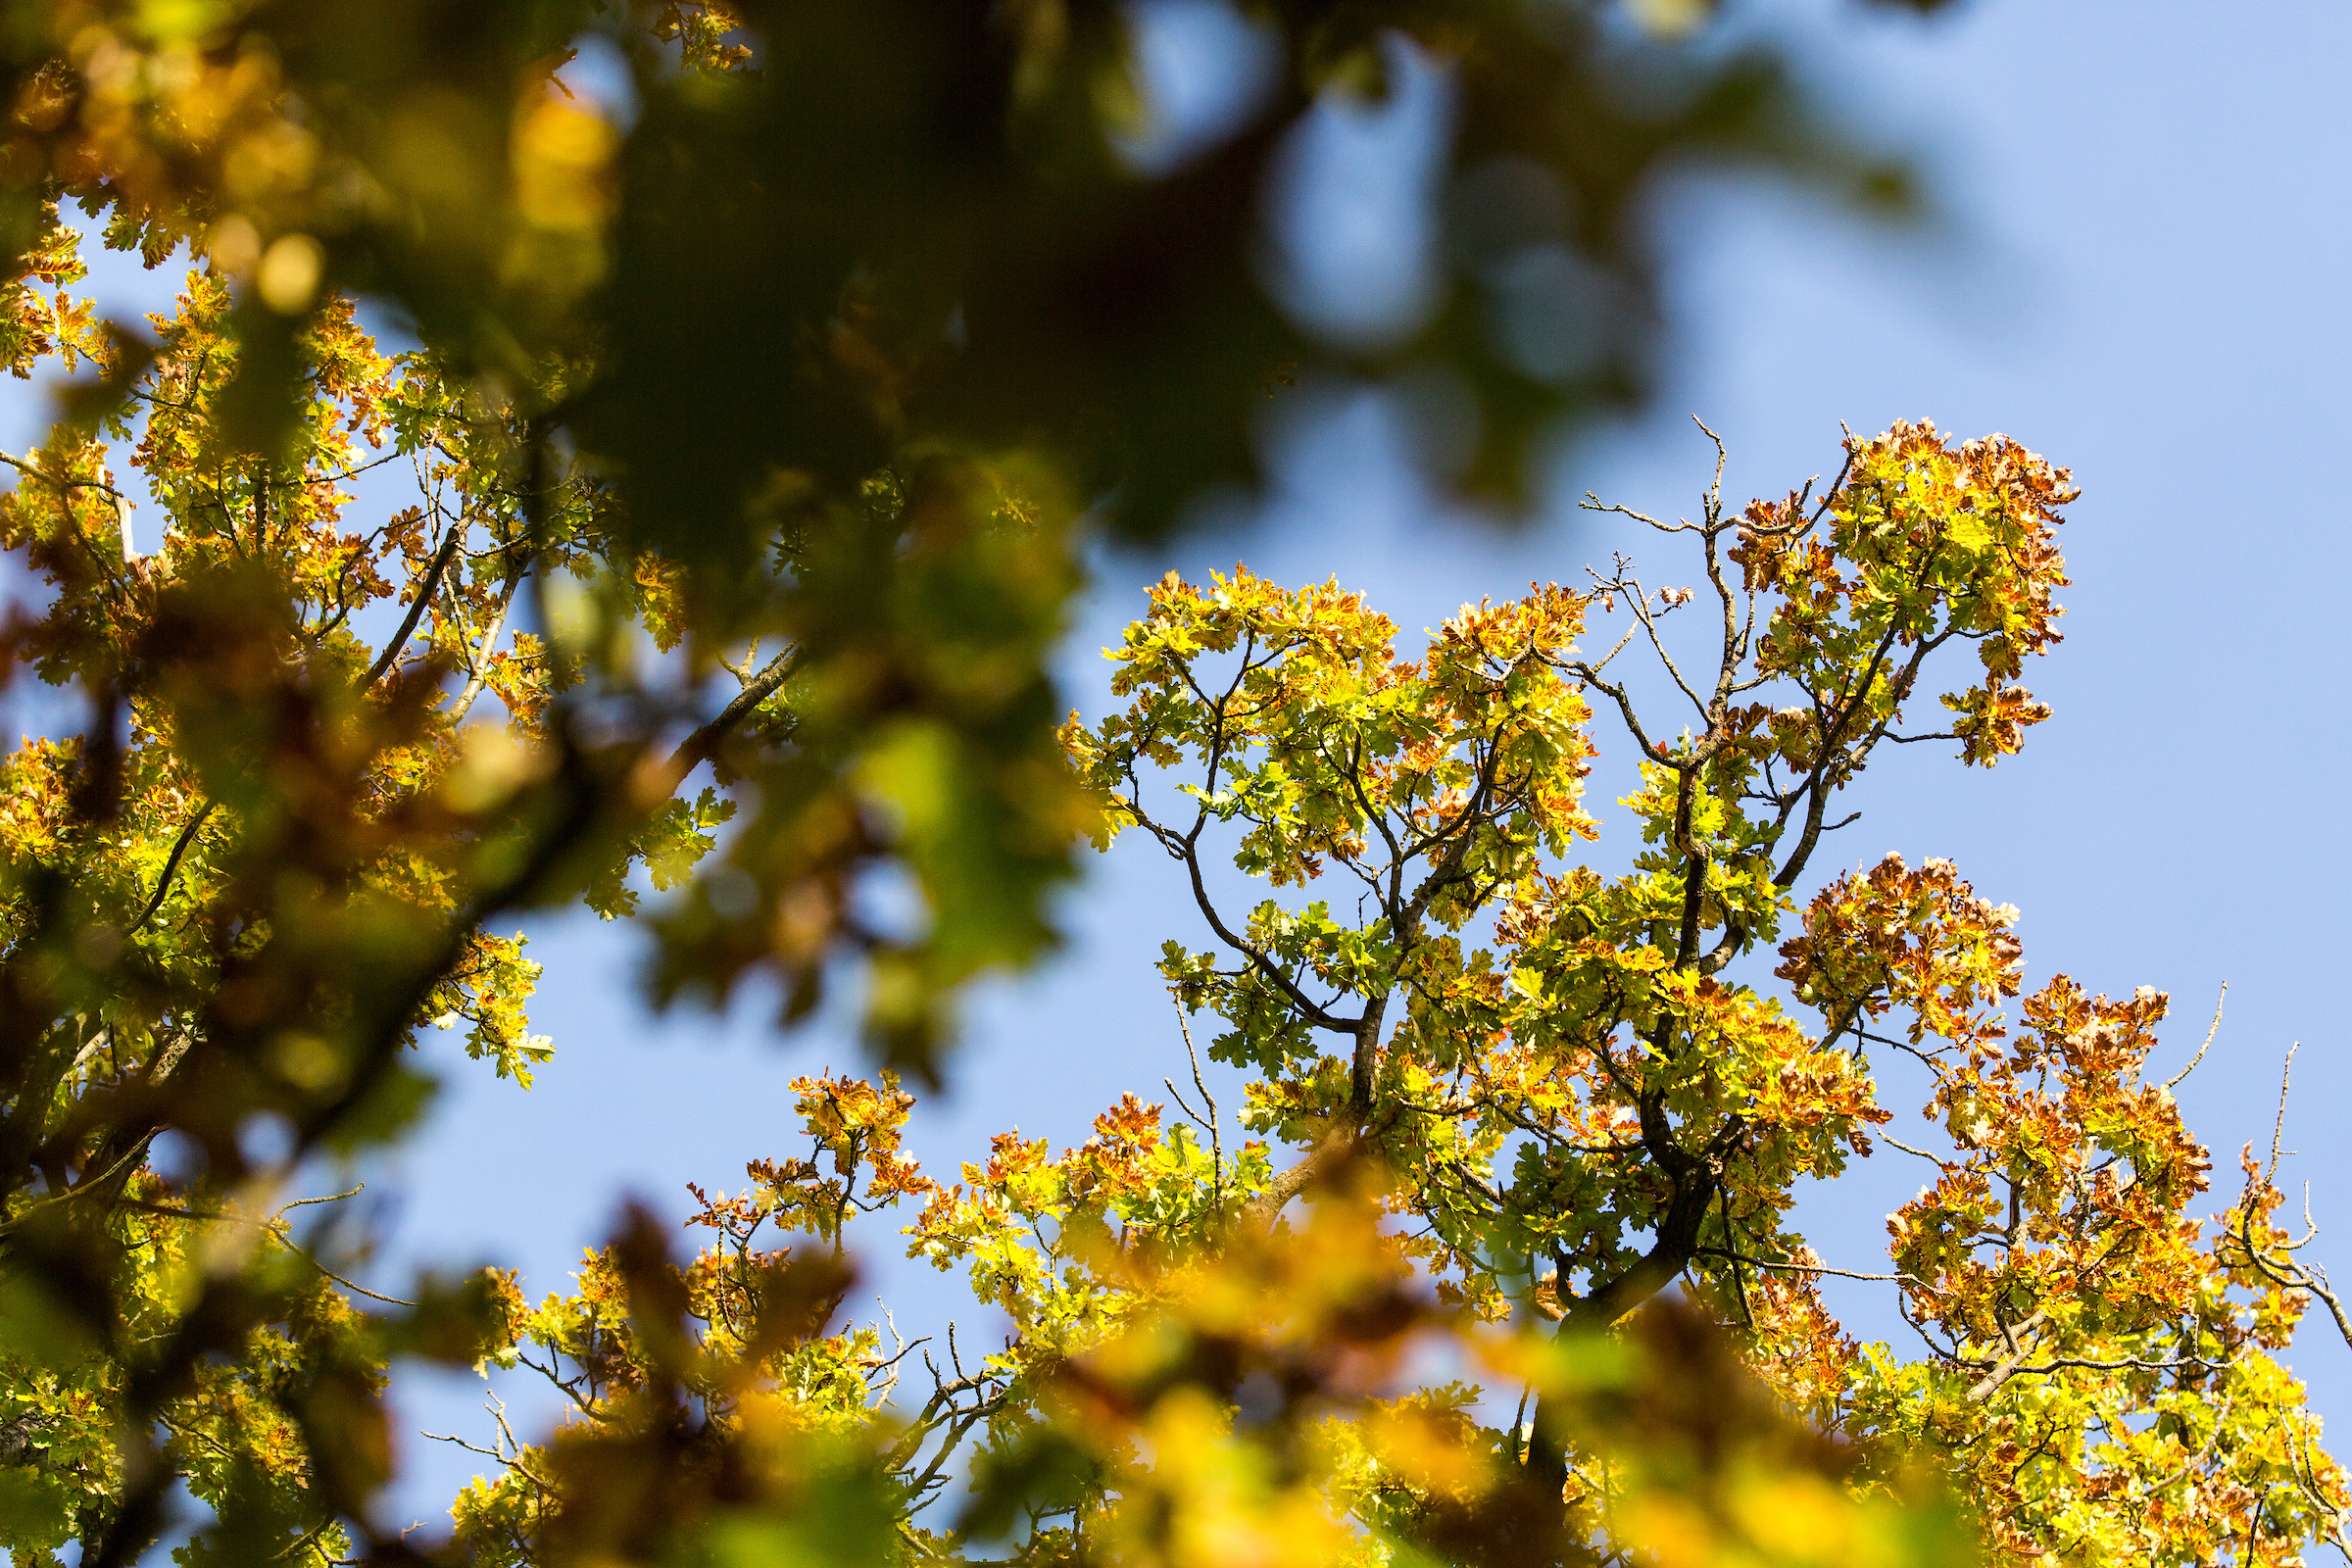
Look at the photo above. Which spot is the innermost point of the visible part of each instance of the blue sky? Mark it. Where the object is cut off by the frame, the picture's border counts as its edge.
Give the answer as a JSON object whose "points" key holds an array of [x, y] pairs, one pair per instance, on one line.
{"points": [[2137, 273]]}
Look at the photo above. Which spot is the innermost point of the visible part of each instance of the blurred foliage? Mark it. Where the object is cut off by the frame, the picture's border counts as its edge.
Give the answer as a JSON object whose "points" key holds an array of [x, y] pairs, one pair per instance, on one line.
{"points": [[826, 237], [710, 542], [830, 325]]}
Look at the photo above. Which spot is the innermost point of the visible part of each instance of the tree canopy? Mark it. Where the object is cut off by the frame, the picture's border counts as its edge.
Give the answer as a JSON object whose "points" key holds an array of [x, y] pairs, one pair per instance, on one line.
{"points": [[741, 453]]}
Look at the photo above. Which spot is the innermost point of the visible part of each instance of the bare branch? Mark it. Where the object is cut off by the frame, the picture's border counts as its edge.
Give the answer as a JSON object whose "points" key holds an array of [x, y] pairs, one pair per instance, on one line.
{"points": [[425, 589], [163, 882], [2213, 1029], [1797, 1268], [2279, 1128], [1216, 1146]]}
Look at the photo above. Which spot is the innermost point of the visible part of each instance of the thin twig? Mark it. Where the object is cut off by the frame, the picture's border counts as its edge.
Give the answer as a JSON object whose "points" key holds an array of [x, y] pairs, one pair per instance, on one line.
{"points": [[2214, 1028], [2286, 1074], [1799, 1268], [1216, 1146]]}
